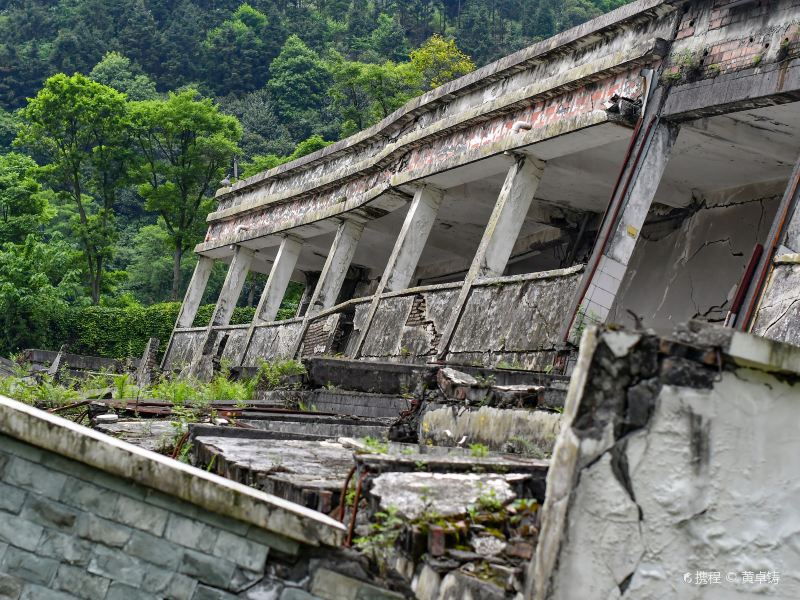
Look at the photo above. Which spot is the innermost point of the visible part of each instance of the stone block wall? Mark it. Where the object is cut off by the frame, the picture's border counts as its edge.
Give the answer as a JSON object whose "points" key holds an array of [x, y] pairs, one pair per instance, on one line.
{"points": [[69, 531], [83, 515]]}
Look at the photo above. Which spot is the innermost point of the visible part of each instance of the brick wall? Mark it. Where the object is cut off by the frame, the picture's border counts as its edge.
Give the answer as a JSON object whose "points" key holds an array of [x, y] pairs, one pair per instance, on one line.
{"points": [[723, 36], [70, 531]]}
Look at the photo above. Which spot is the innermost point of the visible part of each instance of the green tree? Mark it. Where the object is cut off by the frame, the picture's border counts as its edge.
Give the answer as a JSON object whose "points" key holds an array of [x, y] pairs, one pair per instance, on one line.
{"points": [[439, 60], [37, 282], [262, 130], [80, 127], [365, 93], [23, 204], [388, 40], [186, 144], [150, 270], [238, 52], [9, 122], [299, 83], [117, 71]]}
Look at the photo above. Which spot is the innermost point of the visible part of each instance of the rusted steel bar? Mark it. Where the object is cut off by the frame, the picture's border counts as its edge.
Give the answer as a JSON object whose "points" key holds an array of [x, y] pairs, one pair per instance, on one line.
{"points": [[69, 406], [349, 541], [180, 444], [343, 498]]}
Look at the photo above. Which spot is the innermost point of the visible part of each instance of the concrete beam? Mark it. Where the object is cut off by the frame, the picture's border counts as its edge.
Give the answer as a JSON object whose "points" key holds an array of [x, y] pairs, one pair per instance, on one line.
{"points": [[412, 238], [275, 288], [406, 252], [278, 281], [610, 258], [776, 83], [499, 236], [232, 287], [194, 293]]}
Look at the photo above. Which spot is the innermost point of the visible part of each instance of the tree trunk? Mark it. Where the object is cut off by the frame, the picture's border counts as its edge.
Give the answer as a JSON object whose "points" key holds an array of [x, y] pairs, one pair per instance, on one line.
{"points": [[176, 272], [96, 279]]}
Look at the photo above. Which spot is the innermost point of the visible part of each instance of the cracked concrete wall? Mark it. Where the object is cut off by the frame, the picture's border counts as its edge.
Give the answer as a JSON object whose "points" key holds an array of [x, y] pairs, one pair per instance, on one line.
{"points": [[272, 341], [689, 269], [408, 326], [779, 312], [516, 321], [184, 344], [668, 465]]}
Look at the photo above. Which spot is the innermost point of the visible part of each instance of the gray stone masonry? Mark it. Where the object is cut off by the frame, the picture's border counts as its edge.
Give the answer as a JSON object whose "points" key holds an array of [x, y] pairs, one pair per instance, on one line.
{"points": [[70, 531]]}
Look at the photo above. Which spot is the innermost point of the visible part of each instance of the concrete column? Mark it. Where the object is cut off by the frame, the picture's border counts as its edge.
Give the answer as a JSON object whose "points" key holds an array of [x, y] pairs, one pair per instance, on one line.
{"points": [[406, 252], [762, 290], [336, 265], [232, 287], [278, 281], [194, 293], [609, 260], [191, 300], [333, 274], [500, 235], [275, 289], [223, 311]]}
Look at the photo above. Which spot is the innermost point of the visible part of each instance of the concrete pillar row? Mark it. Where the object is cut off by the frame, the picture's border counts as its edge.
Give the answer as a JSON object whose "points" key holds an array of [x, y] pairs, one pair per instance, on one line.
{"points": [[333, 274], [191, 300], [406, 252], [499, 237], [609, 261]]}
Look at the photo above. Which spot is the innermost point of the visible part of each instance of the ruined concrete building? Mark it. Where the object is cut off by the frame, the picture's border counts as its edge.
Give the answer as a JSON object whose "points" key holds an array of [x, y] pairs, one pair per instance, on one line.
{"points": [[642, 170]]}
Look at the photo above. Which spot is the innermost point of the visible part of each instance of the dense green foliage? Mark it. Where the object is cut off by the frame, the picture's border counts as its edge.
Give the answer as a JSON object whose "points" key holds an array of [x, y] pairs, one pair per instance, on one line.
{"points": [[119, 118]]}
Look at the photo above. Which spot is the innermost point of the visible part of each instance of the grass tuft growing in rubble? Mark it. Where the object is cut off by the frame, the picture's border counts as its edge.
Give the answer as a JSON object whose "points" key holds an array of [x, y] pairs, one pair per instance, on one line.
{"points": [[42, 391]]}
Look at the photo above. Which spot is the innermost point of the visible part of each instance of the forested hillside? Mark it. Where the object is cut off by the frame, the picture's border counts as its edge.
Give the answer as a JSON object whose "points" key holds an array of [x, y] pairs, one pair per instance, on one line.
{"points": [[118, 118]]}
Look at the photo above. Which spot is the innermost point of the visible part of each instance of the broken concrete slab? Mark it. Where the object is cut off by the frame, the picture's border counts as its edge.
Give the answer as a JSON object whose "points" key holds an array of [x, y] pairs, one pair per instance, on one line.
{"points": [[155, 435], [445, 494], [465, 389], [526, 432], [310, 473]]}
